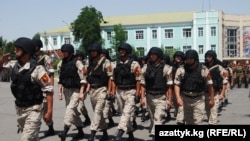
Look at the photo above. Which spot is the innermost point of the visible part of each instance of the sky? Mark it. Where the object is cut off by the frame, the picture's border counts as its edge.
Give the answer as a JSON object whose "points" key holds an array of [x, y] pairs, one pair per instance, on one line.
{"points": [[25, 18]]}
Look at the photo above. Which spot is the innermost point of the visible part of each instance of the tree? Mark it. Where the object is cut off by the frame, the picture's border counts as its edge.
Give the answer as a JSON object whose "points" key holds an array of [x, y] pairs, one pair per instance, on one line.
{"points": [[2, 45], [10, 48], [118, 37], [86, 28], [36, 36]]}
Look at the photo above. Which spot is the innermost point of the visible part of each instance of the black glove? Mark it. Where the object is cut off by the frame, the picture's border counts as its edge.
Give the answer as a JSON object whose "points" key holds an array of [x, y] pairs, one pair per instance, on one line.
{"points": [[137, 99], [110, 97]]}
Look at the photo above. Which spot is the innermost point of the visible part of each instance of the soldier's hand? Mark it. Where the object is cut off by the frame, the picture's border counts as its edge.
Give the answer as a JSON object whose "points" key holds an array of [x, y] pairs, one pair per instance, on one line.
{"points": [[5, 57], [169, 104], [47, 117], [137, 99], [81, 96], [143, 101], [211, 102], [60, 97], [179, 101]]}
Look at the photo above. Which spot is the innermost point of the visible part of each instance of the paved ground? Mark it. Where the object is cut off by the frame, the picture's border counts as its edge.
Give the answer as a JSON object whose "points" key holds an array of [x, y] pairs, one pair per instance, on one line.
{"points": [[236, 112]]}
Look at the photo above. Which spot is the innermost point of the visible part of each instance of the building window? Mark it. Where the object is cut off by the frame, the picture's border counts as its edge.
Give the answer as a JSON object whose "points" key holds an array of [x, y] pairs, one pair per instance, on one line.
{"points": [[187, 32], [154, 34], [200, 31], [168, 49], [66, 40], [232, 42], [186, 48], [169, 33], [140, 51], [201, 49], [108, 35], [213, 47], [55, 41], [139, 34], [126, 35], [213, 31]]}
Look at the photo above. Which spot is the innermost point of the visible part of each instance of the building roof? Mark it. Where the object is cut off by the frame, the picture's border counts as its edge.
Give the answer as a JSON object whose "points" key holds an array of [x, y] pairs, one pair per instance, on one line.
{"points": [[142, 19]]}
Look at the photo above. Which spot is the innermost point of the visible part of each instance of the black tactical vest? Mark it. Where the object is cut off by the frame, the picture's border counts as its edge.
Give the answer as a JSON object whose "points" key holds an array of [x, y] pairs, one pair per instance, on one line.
{"points": [[155, 81], [97, 76], [27, 93], [123, 74], [69, 77], [40, 58], [193, 80], [216, 78]]}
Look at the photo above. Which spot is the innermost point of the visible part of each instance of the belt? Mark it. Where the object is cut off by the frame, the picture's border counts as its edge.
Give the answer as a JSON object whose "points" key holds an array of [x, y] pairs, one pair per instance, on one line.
{"points": [[192, 94], [95, 86], [126, 87], [155, 93]]}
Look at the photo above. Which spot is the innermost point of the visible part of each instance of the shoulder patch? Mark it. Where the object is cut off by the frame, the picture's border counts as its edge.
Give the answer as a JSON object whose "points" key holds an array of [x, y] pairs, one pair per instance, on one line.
{"points": [[137, 71], [209, 76], [45, 78]]}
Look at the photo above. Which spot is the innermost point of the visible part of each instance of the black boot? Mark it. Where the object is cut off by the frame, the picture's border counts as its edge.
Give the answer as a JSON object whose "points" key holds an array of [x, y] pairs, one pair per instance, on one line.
{"points": [[111, 122], [143, 115], [63, 134], [50, 131], [87, 120], [119, 135], [168, 115], [92, 136], [104, 136], [134, 124], [131, 136], [80, 134]]}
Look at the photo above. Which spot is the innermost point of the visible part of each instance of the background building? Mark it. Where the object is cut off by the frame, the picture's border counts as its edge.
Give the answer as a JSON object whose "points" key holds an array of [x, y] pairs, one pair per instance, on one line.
{"points": [[227, 35]]}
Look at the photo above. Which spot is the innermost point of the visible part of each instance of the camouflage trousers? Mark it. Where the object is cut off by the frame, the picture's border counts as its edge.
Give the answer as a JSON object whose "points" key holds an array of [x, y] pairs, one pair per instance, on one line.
{"points": [[156, 107], [72, 114], [125, 99], [179, 109], [97, 99], [212, 112], [82, 108], [107, 109], [29, 121], [193, 109]]}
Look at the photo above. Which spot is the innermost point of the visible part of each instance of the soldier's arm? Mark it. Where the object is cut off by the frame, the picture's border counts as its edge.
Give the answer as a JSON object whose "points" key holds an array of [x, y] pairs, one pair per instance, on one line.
{"points": [[49, 98]]}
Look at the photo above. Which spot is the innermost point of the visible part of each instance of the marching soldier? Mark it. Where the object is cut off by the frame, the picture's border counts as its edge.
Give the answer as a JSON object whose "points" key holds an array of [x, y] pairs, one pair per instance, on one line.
{"points": [[126, 78], [72, 83], [98, 72], [191, 81], [45, 60], [219, 77], [157, 83], [239, 74], [29, 81]]}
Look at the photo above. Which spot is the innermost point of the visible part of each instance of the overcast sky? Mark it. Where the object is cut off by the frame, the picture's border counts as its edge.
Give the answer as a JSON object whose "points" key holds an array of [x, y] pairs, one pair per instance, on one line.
{"points": [[27, 17]]}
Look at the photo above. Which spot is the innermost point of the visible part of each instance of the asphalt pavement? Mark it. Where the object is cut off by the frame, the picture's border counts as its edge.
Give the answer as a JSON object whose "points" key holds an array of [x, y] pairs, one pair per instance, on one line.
{"points": [[236, 112]]}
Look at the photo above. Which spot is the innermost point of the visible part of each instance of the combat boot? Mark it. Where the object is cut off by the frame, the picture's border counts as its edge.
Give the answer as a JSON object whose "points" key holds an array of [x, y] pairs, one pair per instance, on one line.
{"points": [[92, 135], [79, 135], [134, 124], [104, 136], [63, 134], [130, 136], [119, 135], [111, 122], [50, 131], [87, 120]]}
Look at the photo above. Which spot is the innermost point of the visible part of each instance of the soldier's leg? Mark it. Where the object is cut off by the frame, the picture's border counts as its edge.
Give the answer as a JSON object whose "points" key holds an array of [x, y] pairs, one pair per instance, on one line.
{"points": [[214, 110], [207, 107], [83, 110], [32, 117], [107, 114], [180, 115]]}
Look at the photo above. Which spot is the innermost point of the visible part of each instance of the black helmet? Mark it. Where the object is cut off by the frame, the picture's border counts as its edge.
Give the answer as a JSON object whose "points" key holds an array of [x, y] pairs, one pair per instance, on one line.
{"points": [[126, 47], [167, 59], [133, 56], [157, 51], [67, 47], [192, 54], [26, 44], [211, 53], [38, 43], [106, 52], [95, 47], [179, 53], [79, 53]]}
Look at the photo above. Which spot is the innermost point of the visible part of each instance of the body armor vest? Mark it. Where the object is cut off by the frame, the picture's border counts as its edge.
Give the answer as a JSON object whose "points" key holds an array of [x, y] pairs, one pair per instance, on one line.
{"points": [[155, 81], [69, 77], [216, 78], [40, 58], [123, 74], [97, 74], [26, 92], [193, 81]]}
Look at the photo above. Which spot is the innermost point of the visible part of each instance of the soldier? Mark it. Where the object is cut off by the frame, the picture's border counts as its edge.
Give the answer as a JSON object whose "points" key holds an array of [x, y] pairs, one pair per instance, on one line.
{"points": [[99, 72], [219, 77], [239, 74], [157, 82], [82, 108], [73, 82], [191, 81], [109, 103], [246, 73], [29, 81], [45, 60], [230, 83], [126, 80], [178, 61]]}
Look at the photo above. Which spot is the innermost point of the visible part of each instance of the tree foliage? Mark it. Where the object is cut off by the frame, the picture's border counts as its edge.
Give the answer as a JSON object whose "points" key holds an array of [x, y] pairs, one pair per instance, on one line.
{"points": [[86, 28], [36, 36]]}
